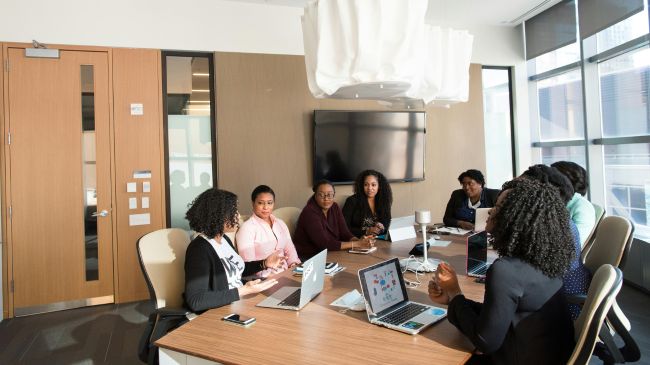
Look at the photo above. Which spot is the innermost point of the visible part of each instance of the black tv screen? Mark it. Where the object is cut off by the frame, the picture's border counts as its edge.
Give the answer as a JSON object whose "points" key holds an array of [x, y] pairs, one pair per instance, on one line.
{"points": [[348, 142]]}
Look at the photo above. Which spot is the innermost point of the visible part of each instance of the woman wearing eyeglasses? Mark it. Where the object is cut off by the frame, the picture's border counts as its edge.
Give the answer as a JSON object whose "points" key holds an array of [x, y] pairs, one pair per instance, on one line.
{"points": [[321, 225]]}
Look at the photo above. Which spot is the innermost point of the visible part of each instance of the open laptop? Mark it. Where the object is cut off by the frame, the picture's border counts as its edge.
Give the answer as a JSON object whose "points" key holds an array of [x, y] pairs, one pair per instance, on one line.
{"points": [[387, 302], [294, 298], [480, 220], [477, 252]]}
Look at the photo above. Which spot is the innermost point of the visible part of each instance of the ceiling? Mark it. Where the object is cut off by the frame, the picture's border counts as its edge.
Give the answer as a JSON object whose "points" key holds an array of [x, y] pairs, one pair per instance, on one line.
{"points": [[462, 12]]}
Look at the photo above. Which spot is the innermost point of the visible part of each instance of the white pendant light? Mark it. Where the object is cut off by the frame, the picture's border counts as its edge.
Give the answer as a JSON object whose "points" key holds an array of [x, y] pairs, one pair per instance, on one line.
{"points": [[383, 50]]}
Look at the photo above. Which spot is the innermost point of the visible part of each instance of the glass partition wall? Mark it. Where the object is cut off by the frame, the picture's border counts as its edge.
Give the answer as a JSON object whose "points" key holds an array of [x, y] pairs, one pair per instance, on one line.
{"points": [[190, 148]]}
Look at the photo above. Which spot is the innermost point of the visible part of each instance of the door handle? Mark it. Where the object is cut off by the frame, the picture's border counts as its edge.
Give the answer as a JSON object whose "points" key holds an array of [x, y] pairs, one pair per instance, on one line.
{"points": [[103, 213]]}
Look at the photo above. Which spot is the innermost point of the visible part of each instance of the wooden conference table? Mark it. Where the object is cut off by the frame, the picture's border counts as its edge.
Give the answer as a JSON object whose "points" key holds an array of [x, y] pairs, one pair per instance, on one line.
{"points": [[320, 333]]}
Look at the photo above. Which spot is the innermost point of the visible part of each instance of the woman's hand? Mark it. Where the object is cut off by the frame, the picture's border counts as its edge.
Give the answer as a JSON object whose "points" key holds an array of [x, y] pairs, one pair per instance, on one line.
{"points": [[447, 280], [466, 225], [256, 286], [436, 294], [275, 260]]}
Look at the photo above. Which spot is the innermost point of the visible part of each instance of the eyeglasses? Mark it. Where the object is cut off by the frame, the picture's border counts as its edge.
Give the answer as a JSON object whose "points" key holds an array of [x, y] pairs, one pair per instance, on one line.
{"points": [[325, 196]]}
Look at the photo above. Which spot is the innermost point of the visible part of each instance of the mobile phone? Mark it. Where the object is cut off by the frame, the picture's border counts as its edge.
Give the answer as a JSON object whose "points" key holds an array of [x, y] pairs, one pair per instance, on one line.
{"points": [[239, 319], [363, 251], [331, 265]]}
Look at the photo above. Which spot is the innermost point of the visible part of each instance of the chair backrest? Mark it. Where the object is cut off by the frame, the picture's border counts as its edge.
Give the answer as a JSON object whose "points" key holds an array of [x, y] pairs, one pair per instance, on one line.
{"points": [[611, 243], [162, 259], [340, 199], [289, 215], [604, 287], [586, 245]]}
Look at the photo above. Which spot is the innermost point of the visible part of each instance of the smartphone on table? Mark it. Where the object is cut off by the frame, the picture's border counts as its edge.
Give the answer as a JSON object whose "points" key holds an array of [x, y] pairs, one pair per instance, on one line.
{"points": [[239, 319], [363, 251]]}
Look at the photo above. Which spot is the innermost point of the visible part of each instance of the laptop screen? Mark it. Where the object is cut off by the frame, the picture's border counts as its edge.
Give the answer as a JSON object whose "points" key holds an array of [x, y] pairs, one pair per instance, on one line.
{"points": [[476, 251], [383, 285]]}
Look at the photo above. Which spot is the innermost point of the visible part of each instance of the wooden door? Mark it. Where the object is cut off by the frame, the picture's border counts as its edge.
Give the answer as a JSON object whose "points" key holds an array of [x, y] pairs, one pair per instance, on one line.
{"points": [[59, 178]]}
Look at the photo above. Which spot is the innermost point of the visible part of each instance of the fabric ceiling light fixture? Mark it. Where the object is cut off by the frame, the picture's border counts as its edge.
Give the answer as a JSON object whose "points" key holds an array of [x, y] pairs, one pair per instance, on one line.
{"points": [[383, 50]]}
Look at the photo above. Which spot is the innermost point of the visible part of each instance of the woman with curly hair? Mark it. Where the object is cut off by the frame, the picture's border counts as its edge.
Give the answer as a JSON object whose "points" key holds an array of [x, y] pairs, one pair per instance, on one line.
{"points": [[213, 270], [524, 317], [367, 212], [581, 210], [462, 205]]}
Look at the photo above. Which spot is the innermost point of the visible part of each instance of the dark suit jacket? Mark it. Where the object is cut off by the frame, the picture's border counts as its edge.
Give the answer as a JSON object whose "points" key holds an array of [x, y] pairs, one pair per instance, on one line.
{"points": [[459, 198], [524, 318], [206, 283], [355, 211]]}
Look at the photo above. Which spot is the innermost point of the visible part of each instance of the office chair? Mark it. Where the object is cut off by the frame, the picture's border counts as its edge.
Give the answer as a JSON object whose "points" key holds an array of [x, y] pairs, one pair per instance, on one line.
{"points": [[289, 216], [162, 258], [610, 246], [600, 214], [605, 285]]}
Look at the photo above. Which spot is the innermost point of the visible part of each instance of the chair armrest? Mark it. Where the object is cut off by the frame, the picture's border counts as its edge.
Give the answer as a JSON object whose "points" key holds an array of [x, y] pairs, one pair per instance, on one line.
{"points": [[172, 312], [576, 298]]}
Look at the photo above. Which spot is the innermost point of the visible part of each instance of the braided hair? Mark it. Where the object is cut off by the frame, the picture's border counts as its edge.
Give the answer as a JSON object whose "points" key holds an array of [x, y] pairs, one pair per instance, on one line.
{"points": [[532, 224], [211, 211]]}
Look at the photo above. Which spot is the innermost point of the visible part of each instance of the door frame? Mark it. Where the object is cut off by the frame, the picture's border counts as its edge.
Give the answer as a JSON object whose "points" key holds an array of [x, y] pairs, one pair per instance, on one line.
{"points": [[5, 191]]}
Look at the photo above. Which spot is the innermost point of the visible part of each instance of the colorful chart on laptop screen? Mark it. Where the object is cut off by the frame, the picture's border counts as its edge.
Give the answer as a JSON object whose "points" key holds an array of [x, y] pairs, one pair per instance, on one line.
{"points": [[384, 287]]}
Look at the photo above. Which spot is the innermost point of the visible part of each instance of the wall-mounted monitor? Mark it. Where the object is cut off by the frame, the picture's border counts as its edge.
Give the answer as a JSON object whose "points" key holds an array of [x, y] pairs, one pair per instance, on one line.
{"points": [[348, 142]]}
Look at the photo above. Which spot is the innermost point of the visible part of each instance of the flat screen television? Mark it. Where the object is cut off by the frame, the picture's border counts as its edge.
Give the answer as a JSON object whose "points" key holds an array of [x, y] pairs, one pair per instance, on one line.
{"points": [[348, 142]]}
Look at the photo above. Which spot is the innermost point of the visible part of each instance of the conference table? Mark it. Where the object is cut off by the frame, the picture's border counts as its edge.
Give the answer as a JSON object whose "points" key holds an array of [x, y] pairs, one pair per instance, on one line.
{"points": [[321, 333]]}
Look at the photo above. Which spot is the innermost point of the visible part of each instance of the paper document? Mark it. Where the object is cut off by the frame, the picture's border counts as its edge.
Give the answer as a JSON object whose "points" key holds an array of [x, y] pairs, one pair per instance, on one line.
{"points": [[348, 300], [438, 243]]}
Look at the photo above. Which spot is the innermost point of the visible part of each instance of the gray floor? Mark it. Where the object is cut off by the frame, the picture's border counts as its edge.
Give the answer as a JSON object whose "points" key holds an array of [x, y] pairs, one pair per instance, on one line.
{"points": [[109, 334]]}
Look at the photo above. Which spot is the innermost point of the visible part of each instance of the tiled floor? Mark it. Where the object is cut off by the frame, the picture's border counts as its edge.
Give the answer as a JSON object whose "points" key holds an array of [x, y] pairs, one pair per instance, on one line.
{"points": [[109, 334]]}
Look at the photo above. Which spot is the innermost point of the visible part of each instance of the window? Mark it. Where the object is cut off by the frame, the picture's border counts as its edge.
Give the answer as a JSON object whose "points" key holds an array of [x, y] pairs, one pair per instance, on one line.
{"points": [[497, 111], [189, 131], [603, 121]]}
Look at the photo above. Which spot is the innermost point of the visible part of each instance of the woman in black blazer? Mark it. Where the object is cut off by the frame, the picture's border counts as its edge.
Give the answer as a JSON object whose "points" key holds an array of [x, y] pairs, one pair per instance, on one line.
{"points": [[462, 205], [213, 269], [524, 317], [367, 212]]}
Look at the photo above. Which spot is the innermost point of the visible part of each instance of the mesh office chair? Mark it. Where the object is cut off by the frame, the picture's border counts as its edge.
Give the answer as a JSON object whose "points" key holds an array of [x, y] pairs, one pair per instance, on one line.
{"points": [[610, 246], [289, 215], [162, 258], [605, 285]]}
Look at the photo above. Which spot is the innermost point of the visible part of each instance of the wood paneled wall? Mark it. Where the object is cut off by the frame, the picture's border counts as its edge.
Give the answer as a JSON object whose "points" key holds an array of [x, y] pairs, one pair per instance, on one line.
{"points": [[5, 261], [138, 146], [264, 134]]}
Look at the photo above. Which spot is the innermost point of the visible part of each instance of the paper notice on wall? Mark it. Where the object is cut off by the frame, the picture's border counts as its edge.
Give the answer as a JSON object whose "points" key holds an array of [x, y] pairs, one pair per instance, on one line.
{"points": [[146, 186], [139, 219], [145, 202], [142, 174], [137, 109], [131, 187], [133, 203]]}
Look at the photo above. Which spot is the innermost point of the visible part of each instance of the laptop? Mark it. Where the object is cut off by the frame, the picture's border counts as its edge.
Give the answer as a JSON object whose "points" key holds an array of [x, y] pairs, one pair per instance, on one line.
{"points": [[295, 298], [477, 250], [387, 302], [480, 219]]}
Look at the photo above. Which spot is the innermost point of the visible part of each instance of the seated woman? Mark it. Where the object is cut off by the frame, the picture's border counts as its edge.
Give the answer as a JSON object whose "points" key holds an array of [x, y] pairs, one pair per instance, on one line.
{"points": [[577, 278], [582, 212], [321, 225], [523, 318], [213, 270], [462, 205], [263, 233], [367, 212]]}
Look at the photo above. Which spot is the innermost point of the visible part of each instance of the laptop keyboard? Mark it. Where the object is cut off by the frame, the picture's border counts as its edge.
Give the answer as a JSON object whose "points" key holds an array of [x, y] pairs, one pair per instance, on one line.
{"points": [[405, 313], [292, 300]]}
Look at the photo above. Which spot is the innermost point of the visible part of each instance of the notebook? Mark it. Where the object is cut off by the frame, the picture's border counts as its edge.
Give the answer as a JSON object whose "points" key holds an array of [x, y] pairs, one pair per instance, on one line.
{"points": [[295, 298], [387, 302], [481, 219], [477, 249]]}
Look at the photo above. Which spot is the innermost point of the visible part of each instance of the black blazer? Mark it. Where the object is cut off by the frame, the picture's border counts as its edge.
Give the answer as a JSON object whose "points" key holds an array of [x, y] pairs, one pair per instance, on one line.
{"points": [[458, 198], [355, 211], [524, 318], [206, 283]]}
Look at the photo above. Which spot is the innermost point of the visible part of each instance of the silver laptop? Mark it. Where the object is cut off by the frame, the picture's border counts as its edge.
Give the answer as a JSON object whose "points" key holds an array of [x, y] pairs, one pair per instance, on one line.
{"points": [[477, 252], [387, 303], [294, 298], [481, 219]]}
